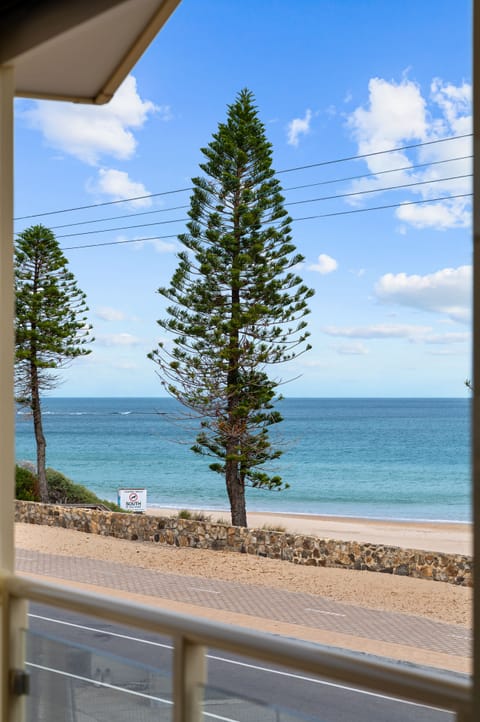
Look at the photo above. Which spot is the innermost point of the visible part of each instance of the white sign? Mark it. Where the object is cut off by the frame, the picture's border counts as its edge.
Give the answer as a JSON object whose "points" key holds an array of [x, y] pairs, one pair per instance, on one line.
{"points": [[132, 499]]}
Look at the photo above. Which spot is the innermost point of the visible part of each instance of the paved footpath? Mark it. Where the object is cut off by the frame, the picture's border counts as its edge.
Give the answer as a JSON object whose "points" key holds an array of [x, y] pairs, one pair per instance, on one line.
{"points": [[273, 604]]}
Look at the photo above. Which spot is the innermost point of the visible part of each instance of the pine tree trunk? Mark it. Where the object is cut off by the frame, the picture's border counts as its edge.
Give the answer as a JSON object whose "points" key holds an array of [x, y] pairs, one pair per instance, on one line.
{"points": [[236, 494], [39, 437]]}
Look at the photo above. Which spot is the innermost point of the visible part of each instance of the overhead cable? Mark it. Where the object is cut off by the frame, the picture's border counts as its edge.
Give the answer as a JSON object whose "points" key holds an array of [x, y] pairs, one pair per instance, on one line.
{"points": [[294, 220], [291, 188], [292, 203], [285, 170]]}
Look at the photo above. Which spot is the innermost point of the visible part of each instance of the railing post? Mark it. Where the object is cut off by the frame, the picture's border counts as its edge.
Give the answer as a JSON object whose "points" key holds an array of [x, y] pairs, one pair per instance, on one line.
{"points": [[189, 676], [476, 362], [7, 410], [17, 614]]}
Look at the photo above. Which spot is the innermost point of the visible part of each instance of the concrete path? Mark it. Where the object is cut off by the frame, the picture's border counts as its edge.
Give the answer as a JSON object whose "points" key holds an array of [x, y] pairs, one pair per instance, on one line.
{"points": [[294, 608]]}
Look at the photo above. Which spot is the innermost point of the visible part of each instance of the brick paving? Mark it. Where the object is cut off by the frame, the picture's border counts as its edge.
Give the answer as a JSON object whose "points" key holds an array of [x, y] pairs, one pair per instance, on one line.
{"points": [[274, 604]]}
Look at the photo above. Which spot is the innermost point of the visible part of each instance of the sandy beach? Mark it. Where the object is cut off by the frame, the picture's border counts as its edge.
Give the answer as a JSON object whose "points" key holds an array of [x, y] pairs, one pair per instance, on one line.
{"points": [[449, 537], [423, 598], [435, 600]]}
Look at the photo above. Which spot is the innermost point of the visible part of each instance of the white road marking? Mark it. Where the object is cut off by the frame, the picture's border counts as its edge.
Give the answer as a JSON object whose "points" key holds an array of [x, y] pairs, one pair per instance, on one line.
{"points": [[256, 667], [320, 611], [133, 692], [210, 591], [97, 683], [101, 631], [459, 636]]}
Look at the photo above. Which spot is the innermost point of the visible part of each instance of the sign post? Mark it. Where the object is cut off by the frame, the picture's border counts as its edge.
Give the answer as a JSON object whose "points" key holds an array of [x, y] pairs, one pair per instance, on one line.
{"points": [[132, 499]]}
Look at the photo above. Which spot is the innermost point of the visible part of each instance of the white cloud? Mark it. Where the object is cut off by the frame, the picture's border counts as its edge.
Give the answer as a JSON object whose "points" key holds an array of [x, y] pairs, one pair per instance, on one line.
{"points": [[379, 331], [118, 339], [298, 127], [447, 291], [448, 338], [446, 214], [410, 332], [446, 351], [359, 272], [326, 264], [124, 365], [351, 349], [138, 242], [397, 114], [106, 313], [117, 185], [89, 132], [455, 101], [159, 245], [162, 246]]}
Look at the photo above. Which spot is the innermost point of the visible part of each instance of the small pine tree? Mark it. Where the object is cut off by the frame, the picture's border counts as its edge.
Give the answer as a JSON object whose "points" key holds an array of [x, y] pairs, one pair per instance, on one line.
{"points": [[51, 326], [236, 305]]}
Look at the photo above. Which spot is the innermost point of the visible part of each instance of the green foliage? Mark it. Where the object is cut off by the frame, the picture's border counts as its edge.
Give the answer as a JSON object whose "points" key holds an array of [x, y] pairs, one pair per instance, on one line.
{"points": [[51, 326], [236, 305], [193, 515], [61, 489], [26, 485], [201, 516], [274, 527]]}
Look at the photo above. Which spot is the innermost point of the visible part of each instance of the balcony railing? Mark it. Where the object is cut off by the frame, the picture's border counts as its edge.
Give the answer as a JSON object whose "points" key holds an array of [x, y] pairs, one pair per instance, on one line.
{"points": [[63, 688]]}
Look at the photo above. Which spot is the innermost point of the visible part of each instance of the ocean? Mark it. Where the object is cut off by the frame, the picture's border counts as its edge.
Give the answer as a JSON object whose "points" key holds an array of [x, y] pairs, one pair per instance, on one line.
{"points": [[374, 458]]}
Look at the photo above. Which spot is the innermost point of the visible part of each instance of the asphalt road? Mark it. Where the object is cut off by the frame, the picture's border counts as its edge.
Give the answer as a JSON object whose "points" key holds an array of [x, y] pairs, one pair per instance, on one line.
{"points": [[83, 670]]}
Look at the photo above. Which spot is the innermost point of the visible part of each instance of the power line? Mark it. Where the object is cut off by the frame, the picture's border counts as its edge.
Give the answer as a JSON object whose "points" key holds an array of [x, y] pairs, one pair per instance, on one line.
{"points": [[291, 188], [379, 190], [119, 243], [285, 170], [294, 220], [374, 153], [117, 218], [380, 172], [380, 208], [123, 228], [105, 203], [293, 203]]}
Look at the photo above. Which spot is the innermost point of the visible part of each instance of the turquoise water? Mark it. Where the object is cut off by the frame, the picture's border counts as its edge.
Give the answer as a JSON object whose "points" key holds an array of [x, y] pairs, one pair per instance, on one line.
{"points": [[379, 458]]}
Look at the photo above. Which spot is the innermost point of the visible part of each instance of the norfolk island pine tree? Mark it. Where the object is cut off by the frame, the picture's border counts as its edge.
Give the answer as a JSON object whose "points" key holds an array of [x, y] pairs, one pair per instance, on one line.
{"points": [[51, 327], [235, 305]]}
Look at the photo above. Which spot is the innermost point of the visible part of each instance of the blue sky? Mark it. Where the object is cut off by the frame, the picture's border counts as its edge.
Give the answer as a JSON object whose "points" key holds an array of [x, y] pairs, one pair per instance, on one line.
{"points": [[332, 80]]}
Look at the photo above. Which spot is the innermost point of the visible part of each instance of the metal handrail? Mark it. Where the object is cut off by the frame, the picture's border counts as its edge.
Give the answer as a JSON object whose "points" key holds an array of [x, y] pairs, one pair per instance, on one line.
{"points": [[424, 687]]}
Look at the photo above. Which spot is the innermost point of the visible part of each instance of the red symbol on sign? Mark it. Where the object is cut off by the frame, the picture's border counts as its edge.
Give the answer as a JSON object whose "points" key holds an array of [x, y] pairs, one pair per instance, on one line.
{"points": [[133, 497]]}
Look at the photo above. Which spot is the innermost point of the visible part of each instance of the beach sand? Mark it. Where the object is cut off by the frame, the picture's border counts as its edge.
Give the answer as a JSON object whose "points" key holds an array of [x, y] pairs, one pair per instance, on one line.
{"points": [[449, 537], [433, 600]]}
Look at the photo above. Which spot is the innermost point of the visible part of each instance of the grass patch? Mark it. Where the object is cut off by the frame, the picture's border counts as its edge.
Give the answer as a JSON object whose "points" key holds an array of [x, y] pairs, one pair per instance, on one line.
{"points": [[193, 515], [274, 527]]}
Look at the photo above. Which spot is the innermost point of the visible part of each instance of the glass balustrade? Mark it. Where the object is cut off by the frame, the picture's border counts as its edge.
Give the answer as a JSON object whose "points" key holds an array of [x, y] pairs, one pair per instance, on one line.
{"points": [[75, 682]]}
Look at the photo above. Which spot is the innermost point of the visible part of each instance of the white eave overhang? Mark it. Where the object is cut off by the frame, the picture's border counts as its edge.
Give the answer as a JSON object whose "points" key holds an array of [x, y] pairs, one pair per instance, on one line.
{"points": [[76, 50]]}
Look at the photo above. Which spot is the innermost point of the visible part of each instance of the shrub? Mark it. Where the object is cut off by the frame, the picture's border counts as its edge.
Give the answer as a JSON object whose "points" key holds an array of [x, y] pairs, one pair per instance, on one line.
{"points": [[194, 515], [63, 490], [26, 485], [201, 516], [274, 527]]}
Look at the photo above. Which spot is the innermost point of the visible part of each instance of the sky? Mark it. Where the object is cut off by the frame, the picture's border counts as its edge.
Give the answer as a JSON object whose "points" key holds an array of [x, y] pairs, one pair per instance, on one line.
{"points": [[339, 85]]}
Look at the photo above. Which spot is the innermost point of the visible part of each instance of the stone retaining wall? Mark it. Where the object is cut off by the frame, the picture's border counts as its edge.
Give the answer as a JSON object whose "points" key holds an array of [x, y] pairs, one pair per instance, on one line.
{"points": [[296, 548]]}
